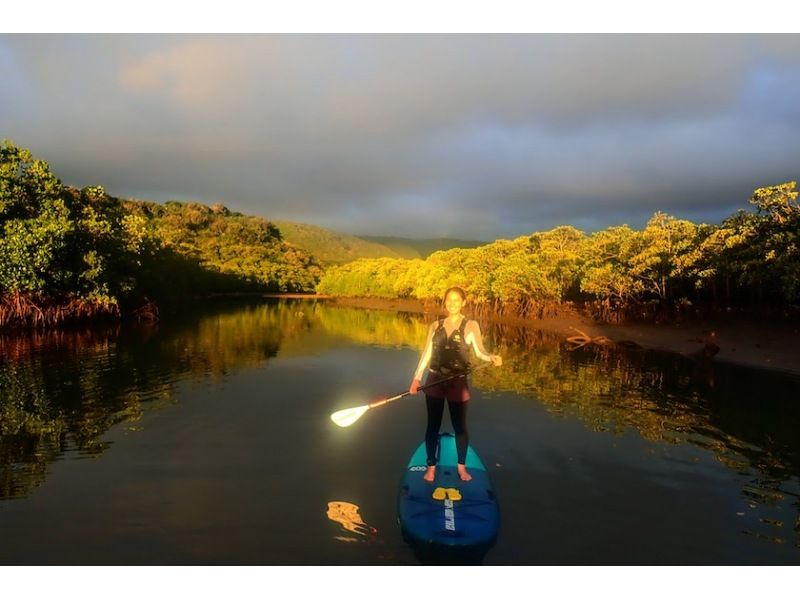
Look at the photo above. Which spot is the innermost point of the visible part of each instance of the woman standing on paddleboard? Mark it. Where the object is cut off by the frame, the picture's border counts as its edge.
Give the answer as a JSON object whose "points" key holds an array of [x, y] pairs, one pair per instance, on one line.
{"points": [[446, 354]]}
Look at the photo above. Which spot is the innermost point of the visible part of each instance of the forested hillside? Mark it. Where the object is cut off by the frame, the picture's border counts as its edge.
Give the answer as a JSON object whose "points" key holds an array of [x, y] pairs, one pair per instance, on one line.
{"points": [[671, 267], [421, 248], [203, 249], [329, 247], [69, 253]]}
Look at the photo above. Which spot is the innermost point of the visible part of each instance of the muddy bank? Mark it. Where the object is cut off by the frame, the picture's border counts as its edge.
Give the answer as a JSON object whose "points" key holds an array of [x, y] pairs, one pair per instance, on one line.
{"points": [[772, 345]]}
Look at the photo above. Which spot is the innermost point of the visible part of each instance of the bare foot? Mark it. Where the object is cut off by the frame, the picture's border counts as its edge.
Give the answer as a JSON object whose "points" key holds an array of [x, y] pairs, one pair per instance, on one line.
{"points": [[430, 474], [463, 473]]}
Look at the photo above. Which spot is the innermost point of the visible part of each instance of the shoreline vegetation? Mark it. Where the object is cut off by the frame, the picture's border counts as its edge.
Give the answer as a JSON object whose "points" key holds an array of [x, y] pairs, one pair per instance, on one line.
{"points": [[72, 255], [772, 345]]}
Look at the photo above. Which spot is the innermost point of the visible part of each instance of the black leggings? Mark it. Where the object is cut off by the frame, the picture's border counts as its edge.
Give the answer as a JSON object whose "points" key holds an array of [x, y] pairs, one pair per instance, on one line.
{"points": [[458, 417]]}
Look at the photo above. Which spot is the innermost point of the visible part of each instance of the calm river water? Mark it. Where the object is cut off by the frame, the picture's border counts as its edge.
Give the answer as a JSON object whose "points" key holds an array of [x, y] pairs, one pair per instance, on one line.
{"points": [[206, 439]]}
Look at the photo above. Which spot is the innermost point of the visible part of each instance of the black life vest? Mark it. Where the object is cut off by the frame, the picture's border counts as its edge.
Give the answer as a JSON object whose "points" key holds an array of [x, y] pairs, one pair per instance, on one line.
{"points": [[450, 355]]}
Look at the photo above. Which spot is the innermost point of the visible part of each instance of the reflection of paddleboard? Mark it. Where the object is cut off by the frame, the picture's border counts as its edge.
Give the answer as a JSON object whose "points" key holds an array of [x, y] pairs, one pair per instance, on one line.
{"points": [[448, 512]]}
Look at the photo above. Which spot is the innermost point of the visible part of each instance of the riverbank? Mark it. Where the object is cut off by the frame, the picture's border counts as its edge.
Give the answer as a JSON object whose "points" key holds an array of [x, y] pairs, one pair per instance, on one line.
{"points": [[771, 345]]}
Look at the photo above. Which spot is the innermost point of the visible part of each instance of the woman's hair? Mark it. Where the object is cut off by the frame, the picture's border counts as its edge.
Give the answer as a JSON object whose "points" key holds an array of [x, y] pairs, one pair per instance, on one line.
{"points": [[458, 290]]}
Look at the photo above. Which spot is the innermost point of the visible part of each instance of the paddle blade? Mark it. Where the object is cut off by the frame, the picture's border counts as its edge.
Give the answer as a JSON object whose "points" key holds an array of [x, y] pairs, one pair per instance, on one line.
{"points": [[347, 417]]}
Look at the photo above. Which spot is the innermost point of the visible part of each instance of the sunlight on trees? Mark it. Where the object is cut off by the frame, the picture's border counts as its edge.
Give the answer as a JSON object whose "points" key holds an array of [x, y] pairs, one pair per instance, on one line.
{"points": [[668, 267], [68, 253]]}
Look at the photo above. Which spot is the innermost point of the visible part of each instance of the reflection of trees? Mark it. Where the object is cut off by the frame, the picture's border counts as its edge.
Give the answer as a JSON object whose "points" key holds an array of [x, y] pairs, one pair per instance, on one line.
{"points": [[41, 410], [374, 327], [62, 390], [745, 418]]}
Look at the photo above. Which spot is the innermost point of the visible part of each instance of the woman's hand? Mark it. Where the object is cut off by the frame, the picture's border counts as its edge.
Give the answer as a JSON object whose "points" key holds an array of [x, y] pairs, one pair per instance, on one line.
{"points": [[414, 388], [496, 360]]}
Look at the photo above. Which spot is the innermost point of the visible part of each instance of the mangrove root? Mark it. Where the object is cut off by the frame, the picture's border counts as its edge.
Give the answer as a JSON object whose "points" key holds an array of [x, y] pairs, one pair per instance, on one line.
{"points": [[582, 339], [147, 312]]}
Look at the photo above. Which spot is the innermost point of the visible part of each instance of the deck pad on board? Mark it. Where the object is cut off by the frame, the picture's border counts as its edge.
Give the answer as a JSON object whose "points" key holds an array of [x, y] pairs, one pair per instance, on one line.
{"points": [[448, 511]]}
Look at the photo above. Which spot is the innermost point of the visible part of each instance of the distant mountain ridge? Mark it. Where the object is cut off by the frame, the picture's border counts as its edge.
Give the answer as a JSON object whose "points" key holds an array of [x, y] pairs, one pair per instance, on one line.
{"points": [[422, 248], [330, 247]]}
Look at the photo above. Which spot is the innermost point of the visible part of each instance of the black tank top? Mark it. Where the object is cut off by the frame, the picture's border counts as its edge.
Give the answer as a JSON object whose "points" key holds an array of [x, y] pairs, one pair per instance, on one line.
{"points": [[450, 355]]}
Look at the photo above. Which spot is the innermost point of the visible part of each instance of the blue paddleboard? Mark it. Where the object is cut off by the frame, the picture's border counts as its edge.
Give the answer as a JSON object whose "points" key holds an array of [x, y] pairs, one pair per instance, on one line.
{"points": [[448, 512]]}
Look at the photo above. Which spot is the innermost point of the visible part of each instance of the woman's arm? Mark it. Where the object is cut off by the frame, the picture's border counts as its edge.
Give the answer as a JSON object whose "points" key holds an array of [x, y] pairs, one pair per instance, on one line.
{"points": [[473, 337], [424, 360]]}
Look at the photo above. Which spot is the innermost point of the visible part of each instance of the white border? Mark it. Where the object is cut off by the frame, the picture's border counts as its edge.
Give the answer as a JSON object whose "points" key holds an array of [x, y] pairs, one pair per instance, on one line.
{"points": [[396, 582], [697, 16]]}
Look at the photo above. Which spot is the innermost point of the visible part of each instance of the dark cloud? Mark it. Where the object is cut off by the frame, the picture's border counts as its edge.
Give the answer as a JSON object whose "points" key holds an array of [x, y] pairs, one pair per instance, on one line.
{"points": [[467, 135]]}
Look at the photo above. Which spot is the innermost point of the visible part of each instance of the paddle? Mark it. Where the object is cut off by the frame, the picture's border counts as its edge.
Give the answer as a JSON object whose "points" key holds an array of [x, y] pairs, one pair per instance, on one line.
{"points": [[347, 417]]}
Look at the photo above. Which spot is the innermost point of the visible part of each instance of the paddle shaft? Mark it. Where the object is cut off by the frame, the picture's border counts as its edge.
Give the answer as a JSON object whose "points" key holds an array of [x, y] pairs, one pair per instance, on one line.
{"points": [[427, 386]]}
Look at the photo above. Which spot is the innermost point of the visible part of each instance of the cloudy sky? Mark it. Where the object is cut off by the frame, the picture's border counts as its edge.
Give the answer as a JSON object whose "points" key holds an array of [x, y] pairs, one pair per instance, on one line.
{"points": [[469, 136]]}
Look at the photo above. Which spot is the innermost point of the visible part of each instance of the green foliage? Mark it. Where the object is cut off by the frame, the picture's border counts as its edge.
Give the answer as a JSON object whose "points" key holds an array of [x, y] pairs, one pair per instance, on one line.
{"points": [[560, 258], [60, 242], [726, 253], [777, 203], [669, 265], [501, 273], [754, 256], [29, 248], [34, 219], [382, 277], [607, 273], [61, 246], [662, 253], [86, 246], [196, 249], [331, 248], [778, 233], [444, 269], [25, 183], [106, 249]]}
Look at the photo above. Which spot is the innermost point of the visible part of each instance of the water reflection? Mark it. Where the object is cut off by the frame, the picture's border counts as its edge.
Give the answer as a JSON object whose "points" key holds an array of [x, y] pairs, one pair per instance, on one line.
{"points": [[746, 418], [61, 392], [346, 514]]}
